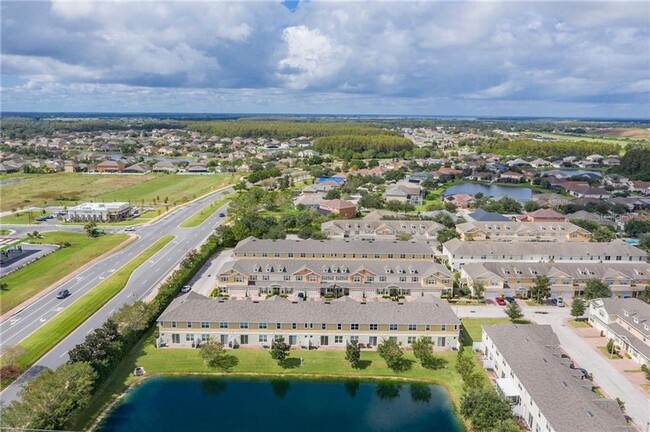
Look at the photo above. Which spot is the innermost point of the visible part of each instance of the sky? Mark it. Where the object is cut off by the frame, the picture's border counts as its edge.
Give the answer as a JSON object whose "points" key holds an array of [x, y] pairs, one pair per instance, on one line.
{"points": [[488, 58]]}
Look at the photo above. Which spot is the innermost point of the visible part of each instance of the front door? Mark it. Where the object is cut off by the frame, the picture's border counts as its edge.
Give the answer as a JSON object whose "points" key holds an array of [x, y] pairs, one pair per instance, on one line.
{"points": [[324, 340], [293, 340], [372, 341]]}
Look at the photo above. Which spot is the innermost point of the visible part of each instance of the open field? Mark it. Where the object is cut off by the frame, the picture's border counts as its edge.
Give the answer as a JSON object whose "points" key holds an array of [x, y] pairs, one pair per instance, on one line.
{"points": [[316, 363], [69, 189], [631, 133], [563, 137], [23, 218], [32, 279], [199, 217], [54, 331]]}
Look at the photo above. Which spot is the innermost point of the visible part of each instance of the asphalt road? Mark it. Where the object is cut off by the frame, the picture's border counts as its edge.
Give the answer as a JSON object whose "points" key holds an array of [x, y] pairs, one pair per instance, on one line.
{"points": [[142, 281]]}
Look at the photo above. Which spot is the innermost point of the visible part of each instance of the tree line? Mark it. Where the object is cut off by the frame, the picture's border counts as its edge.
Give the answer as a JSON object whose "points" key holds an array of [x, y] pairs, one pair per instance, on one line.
{"points": [[548, 149], [635, 163], [363, 147]]}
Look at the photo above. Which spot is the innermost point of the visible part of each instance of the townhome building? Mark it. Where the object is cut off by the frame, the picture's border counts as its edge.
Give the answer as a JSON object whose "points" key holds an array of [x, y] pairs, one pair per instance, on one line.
{"points": [[568, 280], [525, 231], [535, 375], [380, 229], [192, 319], [627, 322], [309, 269], [458, 252]]}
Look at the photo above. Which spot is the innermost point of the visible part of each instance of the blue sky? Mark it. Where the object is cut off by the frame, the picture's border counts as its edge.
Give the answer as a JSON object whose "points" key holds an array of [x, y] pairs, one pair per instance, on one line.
{"points": [[572, 59]]}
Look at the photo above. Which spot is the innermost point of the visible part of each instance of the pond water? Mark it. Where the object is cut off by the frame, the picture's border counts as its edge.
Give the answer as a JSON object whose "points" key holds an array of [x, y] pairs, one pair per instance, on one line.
{"points": [[250, 405], [494, 191]]}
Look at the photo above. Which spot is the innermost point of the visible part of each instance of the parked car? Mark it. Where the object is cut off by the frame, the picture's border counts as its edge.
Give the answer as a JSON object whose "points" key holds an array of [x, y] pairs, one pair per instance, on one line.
{"points": [[560, 302], [186, 289], [554, 301], [500, 301], [63, 294], [510, 299], [582, 371]]}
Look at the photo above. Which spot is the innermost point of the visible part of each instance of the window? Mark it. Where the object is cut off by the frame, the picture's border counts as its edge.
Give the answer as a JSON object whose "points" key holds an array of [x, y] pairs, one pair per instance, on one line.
{"points": [[223, 325], [415, 279], [392, 327], [205, 324], [287, 277], [244, 339], [243, 325], [278, 326], [189, 337], [339, 326], [294, 326], [443, 327], [413, 327], [427, 327], [338, 339], [357, 279], [189, 324], [354, 339], [373, 326], [176, 338], [264, 338], [323, 326], [239, 279], [299, 278], [263, 326], [402, 278], [382, 278], [354, 326], [411, 339], [205, 337], [173, 324]]}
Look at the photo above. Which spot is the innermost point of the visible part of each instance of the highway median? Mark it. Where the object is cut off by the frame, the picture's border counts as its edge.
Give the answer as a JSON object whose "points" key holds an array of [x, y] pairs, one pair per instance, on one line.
{"points": [[58, 328], [202, 215]]}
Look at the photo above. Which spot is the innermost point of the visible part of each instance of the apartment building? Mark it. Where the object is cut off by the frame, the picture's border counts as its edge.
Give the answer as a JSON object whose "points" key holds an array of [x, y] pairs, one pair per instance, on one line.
{"points": [[192, 318], [535, 375], [380, 229], [627, 322], [459, 253], [568, 280], [524, 231], [310, 269]]}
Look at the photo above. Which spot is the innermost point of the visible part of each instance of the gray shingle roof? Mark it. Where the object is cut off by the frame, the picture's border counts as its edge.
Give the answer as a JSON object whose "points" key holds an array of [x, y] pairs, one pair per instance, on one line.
{"points": [[533, 353], [423, 310], [634, 308]]}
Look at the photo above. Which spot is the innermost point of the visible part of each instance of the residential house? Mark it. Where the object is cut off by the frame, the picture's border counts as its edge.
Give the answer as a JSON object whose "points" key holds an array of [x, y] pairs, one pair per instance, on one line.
{"points": [[627, 322], [511, 177], [542, 215], [165, 166], [461, 201], [405, 192], [110, 166], [343, 208], [481, 215], [535, 375], [136, 168], [193, 319]]}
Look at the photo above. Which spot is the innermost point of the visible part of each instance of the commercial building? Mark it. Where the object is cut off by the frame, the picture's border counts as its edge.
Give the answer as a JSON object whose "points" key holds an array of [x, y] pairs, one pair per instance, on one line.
{"points": [[331, 268], [567, 279], [525, 231], [380, 229], [535, 375], [459, 253], [191, 319], [627, 322], [99, 212]]}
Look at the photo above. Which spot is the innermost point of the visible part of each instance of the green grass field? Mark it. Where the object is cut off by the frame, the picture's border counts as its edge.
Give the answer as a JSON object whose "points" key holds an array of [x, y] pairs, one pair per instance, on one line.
{"points": [[471, 328], [51, 333], [22, 218], [199, 217], [29, 281], [564, 137], [316, 363], [40, 190]]}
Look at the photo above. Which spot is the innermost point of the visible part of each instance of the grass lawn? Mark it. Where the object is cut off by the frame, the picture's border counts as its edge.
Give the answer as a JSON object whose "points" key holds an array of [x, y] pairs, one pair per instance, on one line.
{"points": [[317, 363], [563, 137], [30, 280], [50, 334], [199, 217], [579, 323], [471, 328], [603, 349], [41, 190], [23, 218]]}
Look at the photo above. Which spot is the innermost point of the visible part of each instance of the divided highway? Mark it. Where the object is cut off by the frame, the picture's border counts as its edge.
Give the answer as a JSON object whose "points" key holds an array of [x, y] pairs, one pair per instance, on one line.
{"points": [[142, 281]]}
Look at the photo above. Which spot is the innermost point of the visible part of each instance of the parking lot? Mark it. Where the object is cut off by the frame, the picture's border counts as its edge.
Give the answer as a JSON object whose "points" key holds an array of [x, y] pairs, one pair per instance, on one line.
{"points": [[17, 257]]}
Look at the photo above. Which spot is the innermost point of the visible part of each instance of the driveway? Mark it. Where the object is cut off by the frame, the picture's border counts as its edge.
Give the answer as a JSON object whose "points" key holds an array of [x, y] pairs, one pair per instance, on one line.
{"points": [[206, 279]]}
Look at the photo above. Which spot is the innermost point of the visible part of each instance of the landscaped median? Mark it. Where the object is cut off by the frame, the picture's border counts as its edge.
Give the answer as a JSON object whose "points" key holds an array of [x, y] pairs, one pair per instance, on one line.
{"points": [[76, 251], [202, 215], [50, 334]]}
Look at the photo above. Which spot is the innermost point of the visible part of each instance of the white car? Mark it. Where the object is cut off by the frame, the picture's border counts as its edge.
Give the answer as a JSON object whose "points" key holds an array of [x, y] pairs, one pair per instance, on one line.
{"points": [[560, 302], [129, 229], [186, 289]]}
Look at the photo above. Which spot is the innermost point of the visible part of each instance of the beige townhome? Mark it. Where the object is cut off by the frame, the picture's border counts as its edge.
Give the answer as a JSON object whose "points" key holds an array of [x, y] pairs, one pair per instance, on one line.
{"points": [[192, 319], [525, 231], [310, 269], [627, 322], [380, 229], [567, 279]]}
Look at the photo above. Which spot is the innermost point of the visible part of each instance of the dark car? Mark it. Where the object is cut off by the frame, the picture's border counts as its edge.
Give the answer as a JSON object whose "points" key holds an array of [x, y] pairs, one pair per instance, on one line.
{"points": [[222, 215], [510, 299], [500, 301], [582, 371], [63, 294]]}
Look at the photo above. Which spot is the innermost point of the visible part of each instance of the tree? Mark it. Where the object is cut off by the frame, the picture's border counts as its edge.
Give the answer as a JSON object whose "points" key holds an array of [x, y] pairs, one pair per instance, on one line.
{"points": [[392, 355], [11, 354], [100, 349], [49, 400], [279, 350], [4, 286], [478, 288], [215, 356], [353, 353], [541, 289], [645, 294], [514, 312], [446, 234], [578, 308], [485, 408], [596, 288], [133, 317], [91, 229], [464, 362], [422, 350], [603, 235]]}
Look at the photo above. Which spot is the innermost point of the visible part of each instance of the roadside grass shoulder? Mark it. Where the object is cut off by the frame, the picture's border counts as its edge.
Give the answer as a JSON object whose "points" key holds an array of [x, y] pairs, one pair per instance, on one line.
{"points": [[204, 213], [315, 364], [50, 334], [39, 275]]}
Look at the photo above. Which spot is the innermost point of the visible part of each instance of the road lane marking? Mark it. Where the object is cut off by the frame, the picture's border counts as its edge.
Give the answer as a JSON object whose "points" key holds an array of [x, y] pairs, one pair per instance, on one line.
{"points": [[64, 354]]}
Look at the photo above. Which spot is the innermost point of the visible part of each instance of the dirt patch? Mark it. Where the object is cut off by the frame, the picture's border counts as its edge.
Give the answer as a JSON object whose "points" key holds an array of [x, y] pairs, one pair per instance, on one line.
{"points": [[633, 133]]}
